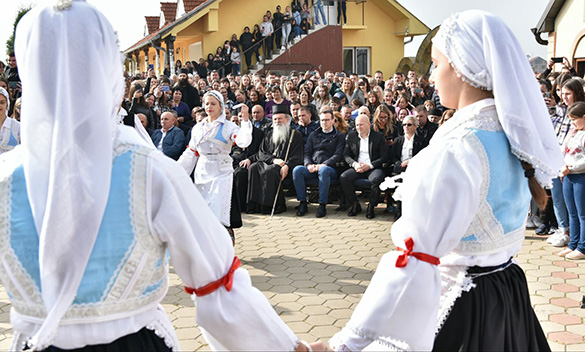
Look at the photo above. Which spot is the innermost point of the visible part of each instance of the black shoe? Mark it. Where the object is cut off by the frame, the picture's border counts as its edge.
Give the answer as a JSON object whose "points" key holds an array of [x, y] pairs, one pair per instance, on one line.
{"points": [[322, 211], [342, 207], [303, 209], [542, 229], [355, 209], [370, 211], [232, 235]]}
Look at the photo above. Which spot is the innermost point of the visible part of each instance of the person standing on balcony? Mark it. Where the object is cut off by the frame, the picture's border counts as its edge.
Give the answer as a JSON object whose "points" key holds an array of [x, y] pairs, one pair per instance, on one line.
{"points": [[277, 23], [286, 27], [342, 8], [318, 6], [267, 29]]}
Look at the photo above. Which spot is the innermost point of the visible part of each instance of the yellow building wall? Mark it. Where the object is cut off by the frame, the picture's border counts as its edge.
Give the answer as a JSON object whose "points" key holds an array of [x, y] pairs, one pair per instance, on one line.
{"points": [[232, 17], [569, 22], [386, 48]]}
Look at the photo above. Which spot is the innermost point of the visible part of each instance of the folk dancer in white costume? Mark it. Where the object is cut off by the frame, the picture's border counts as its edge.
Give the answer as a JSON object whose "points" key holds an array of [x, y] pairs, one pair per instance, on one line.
{"points": [[208, 153], [86, 217], [452, 284], [9, 127]]}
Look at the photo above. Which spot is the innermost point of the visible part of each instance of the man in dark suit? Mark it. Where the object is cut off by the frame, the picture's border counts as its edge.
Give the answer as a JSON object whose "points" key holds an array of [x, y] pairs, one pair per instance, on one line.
{"points": [[169, 139], [365, 152]]}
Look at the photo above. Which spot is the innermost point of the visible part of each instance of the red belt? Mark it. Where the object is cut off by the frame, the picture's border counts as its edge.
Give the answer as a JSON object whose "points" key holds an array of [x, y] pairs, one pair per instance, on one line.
{"points": [[227, 281], [403, 258]]}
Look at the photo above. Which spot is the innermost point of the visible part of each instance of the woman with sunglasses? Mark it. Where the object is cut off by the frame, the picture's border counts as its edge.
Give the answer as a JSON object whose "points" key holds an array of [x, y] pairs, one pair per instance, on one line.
{"points": [[407, 146], [451, 285]]}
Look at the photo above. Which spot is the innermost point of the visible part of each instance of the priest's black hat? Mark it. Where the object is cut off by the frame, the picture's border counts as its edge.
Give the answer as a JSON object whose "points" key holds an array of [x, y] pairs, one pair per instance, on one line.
{"points": [[280, 109]]}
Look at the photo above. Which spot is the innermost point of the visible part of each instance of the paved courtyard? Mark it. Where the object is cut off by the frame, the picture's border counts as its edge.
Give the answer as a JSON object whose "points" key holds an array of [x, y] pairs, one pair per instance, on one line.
{"points": [[314, 272]]}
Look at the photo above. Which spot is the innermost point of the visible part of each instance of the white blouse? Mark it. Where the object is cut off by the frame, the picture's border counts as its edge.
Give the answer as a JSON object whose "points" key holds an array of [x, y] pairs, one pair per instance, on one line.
{"points": [[401, 308], [241, 319]]}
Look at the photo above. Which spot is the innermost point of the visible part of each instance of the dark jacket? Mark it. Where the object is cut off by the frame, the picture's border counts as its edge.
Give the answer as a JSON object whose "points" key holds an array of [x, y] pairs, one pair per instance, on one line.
{"points": [[264, 125], [246, 40], [172, 144], [396, 153], [306, 130], [190, 96], [427, 132], [379, 152], [324, 148], [251, 152]]}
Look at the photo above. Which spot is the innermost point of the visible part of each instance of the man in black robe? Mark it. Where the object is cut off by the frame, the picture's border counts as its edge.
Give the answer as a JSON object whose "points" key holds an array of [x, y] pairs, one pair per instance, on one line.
{"points": [[242, 159], [273, 164]]}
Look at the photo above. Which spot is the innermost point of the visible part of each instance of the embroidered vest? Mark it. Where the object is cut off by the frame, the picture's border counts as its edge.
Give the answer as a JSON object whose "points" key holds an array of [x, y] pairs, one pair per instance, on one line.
{"points": [[127, 268], [505, 196]]}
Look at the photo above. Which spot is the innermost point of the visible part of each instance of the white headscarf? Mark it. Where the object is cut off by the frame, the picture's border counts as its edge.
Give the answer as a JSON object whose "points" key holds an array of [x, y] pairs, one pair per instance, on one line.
{"points": [[217, 95], [71, 68], [483, 50], [5, 94]]}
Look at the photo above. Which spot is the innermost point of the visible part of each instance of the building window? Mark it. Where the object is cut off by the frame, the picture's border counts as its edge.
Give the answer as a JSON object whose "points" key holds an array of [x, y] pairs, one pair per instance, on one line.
{"points": [[356, 60]]}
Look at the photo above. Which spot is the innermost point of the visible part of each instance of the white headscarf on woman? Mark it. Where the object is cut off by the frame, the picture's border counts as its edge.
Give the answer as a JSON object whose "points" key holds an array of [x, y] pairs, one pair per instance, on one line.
{"points": [[486, 54], [5, 94], [71, 69]]}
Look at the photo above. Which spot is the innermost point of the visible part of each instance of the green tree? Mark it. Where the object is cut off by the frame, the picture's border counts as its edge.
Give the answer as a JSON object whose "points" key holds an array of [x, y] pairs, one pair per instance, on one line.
{"points": [[10, 42]]}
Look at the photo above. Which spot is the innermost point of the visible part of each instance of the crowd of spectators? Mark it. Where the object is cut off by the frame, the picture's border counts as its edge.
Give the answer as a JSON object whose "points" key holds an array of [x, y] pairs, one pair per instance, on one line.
{"points": [[403, 112], [564, 217], [333, 113]]}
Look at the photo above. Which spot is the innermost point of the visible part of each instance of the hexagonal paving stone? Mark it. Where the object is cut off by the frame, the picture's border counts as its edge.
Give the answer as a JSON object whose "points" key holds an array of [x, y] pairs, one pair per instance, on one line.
{"points": [[565, 288], [566, 338], [565, 302], [565, 319]]}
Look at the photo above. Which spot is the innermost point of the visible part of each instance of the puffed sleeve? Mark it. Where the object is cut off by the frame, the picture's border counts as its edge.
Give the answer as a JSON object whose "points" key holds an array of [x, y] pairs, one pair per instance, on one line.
{"points": [[440, 194], [201, 252], [188, 160], [243, 135]]}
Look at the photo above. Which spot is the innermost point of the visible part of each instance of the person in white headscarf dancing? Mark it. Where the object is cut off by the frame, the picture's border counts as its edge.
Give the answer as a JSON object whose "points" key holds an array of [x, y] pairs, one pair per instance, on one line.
{"points": [[9, 127], [208, 153], [452, 283], [87, 217]]}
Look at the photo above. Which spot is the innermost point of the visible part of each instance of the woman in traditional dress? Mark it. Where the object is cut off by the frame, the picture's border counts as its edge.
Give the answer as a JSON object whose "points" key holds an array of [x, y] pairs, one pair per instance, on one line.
{"points": [[452, 283], [208, 153]]}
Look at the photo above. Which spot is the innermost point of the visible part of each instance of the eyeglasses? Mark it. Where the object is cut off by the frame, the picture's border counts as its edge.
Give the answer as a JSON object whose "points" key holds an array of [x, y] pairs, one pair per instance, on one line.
{"points": [[408, 124]]}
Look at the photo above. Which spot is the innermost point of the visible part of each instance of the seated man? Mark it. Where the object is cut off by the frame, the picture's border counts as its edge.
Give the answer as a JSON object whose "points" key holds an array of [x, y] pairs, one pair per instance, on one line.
{"points": [[243, 158], [305, 126], [280, 151], [259, 121], [426, 129], [169, 139], [365, 152], [323, 149]]}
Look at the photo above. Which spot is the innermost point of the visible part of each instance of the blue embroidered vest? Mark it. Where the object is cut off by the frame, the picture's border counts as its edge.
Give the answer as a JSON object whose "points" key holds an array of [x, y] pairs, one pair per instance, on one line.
{"points": [[127, 268]]}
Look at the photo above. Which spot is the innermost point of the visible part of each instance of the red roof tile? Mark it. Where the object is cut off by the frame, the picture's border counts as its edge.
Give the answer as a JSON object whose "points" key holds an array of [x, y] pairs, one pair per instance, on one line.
{"points": [[169, 10], [152, 23], [191, 4]]}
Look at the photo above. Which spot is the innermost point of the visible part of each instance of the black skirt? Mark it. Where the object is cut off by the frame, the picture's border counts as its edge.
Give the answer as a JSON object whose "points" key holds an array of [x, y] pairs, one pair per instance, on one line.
{"points": [[143, 340], [496, 315]]}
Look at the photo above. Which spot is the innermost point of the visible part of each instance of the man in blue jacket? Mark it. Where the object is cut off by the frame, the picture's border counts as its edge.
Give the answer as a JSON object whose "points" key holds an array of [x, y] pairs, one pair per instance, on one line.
{"points": [[323, 149], [169, 139]]}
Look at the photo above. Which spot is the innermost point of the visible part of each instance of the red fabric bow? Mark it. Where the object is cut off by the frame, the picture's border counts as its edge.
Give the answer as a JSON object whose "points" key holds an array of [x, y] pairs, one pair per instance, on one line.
{"points": [[227, 281], [403, 258]]}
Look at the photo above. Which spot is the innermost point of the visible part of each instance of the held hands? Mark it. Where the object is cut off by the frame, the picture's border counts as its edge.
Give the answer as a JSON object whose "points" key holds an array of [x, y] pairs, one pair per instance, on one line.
{"points": [[314, 168], [361, 167], [278, 162], [245, 163]]}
